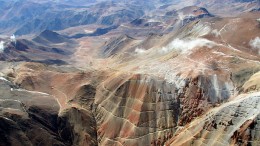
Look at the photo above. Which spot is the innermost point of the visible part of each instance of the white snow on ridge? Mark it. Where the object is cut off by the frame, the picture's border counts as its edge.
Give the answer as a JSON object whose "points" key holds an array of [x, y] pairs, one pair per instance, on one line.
{"points": [[13, 38], [33, 92], [4, 79], [255, 44], [2, 47], [186, 45], [140, 51]]}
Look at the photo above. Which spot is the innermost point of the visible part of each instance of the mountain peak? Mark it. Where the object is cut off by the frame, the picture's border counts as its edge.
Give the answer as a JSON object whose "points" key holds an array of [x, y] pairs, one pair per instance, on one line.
{"points": [[48, 36]]}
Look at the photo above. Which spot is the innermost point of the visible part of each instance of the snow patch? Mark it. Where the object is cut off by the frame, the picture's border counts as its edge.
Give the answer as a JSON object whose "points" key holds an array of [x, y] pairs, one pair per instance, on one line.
{"points": [[183, 16], [215, 85], [140, 51], [88, 31], [152, 20], [219, 53], [185, 46], [200, 30], [2, 46], [215, 32], [13, 38], [255, 44], [33, 92], [4, 79]]}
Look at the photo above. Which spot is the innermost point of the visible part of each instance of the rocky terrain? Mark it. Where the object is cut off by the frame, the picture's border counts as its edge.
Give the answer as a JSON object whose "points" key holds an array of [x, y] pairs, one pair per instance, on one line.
{"points": [[175, 73]]}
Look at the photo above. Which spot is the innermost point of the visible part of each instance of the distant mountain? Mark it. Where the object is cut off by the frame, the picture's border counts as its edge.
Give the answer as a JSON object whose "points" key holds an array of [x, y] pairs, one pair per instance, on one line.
{"points": [[29, 16], [49, 47], [25, 17], [48, 36], [229, 7]]}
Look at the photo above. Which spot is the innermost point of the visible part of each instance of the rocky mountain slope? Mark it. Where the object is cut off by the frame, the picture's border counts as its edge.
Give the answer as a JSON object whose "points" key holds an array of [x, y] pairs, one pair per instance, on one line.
{"points": [[170, 75], [48, 47]]}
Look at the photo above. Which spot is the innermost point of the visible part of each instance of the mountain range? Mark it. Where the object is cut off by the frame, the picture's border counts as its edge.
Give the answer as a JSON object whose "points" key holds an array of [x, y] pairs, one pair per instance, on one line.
{"points": [[129, 73]]}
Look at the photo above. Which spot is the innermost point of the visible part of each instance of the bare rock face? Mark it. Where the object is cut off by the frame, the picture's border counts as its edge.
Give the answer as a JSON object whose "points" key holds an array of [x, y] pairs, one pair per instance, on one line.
{"points": [[132, 110], [253, 83], [27, 117], [233, 123], [78, 126], [127, 109], [137, 109], [74, 122], [32, 118], [148, 108]]}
